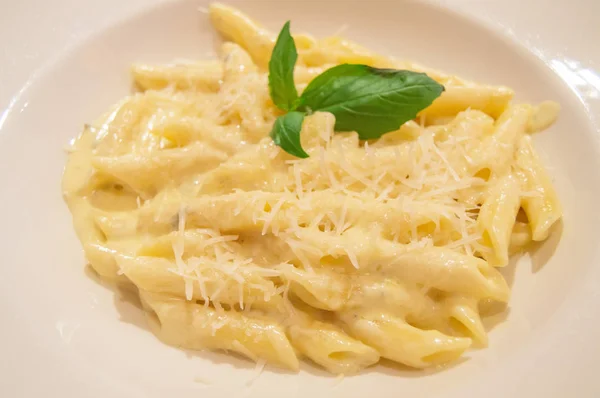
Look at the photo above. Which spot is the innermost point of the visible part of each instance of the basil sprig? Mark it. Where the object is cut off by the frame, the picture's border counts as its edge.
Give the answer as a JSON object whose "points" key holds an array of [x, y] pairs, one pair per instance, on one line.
{"points": [[286, 133], [370, 101], [281, 70]]}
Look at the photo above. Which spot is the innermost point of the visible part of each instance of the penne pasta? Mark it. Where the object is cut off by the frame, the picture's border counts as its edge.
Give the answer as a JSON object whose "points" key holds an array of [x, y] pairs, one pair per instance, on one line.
{"points": [[180, 323], [190, 76], [397, 340], [497, 218], [196, 192], [541, 206], [331, 348], [488, 99]]}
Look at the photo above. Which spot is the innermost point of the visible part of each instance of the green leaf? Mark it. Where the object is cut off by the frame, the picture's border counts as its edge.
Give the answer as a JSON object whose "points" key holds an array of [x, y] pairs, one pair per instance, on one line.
{"points": [[368, 100], [281, 70], [286, 133]]}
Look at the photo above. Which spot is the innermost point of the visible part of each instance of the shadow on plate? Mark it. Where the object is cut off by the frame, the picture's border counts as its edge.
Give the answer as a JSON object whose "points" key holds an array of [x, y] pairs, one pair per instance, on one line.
{"points": [[126, 300], [542, 252]]}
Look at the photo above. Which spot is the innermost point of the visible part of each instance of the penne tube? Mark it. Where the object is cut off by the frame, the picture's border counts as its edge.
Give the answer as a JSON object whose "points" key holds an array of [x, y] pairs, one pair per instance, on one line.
{"points": [[497, 218], [331, 348], [541, 205], [203, 76], [322, 289], [239, 28], [194, 326], [464, 318], [489, 99], [400, 342]]}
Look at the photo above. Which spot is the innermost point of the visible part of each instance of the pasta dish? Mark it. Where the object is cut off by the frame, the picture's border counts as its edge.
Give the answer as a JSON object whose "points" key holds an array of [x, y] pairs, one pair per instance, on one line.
{"points": [[365, 248]]}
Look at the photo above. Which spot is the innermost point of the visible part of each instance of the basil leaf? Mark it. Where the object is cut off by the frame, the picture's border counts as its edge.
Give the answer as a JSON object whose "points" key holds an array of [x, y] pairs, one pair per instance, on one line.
{"points": [[286, 133], [369, 100], [281, 70]]}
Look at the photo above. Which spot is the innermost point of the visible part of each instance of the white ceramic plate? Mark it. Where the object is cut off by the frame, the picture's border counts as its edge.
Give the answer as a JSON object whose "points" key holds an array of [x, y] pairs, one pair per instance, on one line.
{"points": [[64, 62]]}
